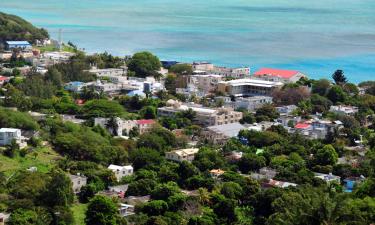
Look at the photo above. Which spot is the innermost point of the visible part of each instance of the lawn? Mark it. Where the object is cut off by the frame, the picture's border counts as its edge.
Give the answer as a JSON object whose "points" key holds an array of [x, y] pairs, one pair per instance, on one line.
{"points": [[44, 160], [79, 211], [52, 48]]}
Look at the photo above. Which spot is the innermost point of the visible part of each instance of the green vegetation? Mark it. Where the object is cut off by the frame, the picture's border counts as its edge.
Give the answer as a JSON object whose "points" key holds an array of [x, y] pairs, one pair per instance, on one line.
{"points": [[17, 29], [144, 64], [79, 211]]}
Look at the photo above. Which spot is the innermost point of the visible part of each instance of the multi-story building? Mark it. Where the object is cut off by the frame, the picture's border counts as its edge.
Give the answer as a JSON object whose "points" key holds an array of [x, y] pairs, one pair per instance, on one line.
{"points": [[204, 116], [123, 127], [182, 154], [249, 103], [209, 68], [248, 87], [109, 72], [121, 171], [277, 75], [206, 83]]}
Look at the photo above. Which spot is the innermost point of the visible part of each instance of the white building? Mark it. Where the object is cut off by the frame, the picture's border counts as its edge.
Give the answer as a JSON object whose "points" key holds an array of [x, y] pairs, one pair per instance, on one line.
{"points": [[344, 110], [109, 72], [78, 181], [123, 127], [249, 103], [7, 135], [121, 171], [222, 133], [182, 154], [328, 177], [248, 87], [206, 83]]}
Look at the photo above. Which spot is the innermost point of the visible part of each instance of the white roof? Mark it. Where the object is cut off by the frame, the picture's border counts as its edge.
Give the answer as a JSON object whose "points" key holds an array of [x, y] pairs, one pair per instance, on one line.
{"points": [[229, 130], [9, 130], [187, 151], [116, 167], [254, 82]]}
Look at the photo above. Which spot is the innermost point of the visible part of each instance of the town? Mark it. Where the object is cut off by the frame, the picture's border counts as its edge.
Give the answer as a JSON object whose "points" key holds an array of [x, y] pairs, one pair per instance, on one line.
{"points": [[102, 139]]}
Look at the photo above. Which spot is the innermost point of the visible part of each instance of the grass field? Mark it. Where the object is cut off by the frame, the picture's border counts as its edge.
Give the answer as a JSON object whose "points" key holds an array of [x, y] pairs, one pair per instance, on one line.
{"points": [[44, 160], [79, 211], [52, 48]]}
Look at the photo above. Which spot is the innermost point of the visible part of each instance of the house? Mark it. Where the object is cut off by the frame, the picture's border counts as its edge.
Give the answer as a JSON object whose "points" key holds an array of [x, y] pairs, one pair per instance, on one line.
{"points": [[121, 171], [209, 68], [328, 177], [216, 173], [286, 110], [279, 184], [234, 156], [204, 116], [109, 72], [344, 110], [4, 217], [3, 80], [202, 66], [126, 210], [220, 134], [278, 75], [78, 182], [248, 87], [123, 127], [23, 45], [118, 191], [7, 135], [182, 154], [264, 173]]}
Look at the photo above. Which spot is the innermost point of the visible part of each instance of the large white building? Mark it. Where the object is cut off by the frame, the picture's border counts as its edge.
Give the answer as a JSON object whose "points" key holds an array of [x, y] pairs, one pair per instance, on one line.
{"points": [[182, 154], [248, 87], [204, 116], [121, 171], [344, 110], [123, 127], [249, 103]]}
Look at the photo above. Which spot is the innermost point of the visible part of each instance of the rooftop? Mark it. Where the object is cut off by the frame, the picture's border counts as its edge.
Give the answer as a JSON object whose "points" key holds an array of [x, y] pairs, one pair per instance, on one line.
{"points": [[116, 167], [302, 126], [276, 72], [253, 82], [187, 151], [9, 130], [18, 43], [229, 130], [143, 122]]}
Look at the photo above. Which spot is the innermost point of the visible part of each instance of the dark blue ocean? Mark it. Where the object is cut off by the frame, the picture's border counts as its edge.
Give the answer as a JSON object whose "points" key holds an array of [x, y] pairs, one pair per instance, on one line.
{"points": [[313, 36]]}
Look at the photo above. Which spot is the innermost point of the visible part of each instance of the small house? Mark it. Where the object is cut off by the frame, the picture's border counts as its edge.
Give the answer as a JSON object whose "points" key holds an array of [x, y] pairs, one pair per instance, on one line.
{"points": [[78, 181], [121, 171]]}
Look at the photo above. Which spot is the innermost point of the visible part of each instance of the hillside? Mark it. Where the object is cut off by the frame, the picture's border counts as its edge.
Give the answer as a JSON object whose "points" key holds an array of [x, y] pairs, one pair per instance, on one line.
{"points": [[15, 28]]}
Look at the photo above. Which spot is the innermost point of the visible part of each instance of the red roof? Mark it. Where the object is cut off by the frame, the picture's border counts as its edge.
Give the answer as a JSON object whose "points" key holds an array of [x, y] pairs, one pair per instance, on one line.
{"points": [[2, 78], [143, 122], [302, 126], [276, 73]]}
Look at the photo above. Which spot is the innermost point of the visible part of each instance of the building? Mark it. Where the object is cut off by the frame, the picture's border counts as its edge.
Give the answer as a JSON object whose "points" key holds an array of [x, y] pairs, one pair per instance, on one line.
{"points": [[126, 210], [240, 72], [4, 217], [182, 154], [248, 87], [216, 173], [220, 134], [121, 171], [75, 86], [344, 110], [7, 135], [202, 66], [206, 83], [286, 110], [264, 173], [279, 184], [328, 177], [3, 80], [316, 128], [249, 103], [123, 127], [78, 181], [109, 72], [23, 45], [204, 116], [277, 75]]}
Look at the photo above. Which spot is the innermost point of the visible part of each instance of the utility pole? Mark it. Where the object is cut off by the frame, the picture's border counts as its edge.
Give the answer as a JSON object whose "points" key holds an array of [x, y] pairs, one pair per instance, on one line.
{"points": [[60, 39]]}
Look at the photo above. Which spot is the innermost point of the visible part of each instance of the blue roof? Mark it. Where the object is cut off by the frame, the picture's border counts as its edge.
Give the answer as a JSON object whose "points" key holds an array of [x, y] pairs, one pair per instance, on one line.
{"points": [[18, 43], [75, 83]]}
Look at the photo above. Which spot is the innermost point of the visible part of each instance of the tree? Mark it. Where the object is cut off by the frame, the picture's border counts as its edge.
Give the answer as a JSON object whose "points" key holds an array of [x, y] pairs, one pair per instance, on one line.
{"points": [[336, 94], [326, 155], [170, 83], [181, 69], [321, 87], [144, 64], [148, 112], [339, 77], [251, 162], [155, 207], [23, 217], [101, 211], [267, 112], [102, 108], [59, 191], [231, 190], [145, 157], [55, 77]]}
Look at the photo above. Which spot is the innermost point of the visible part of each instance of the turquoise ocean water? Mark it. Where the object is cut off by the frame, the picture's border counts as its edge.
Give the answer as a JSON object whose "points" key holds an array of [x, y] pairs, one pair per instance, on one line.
{"points": [[313, 36]]}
